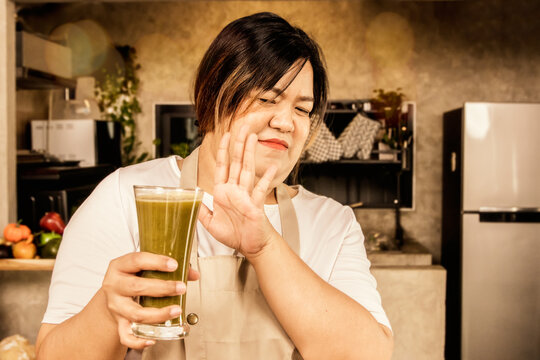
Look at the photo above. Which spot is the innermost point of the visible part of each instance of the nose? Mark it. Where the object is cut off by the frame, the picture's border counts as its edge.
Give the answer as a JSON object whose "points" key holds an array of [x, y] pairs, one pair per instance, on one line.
{"points": [[282, 120]]}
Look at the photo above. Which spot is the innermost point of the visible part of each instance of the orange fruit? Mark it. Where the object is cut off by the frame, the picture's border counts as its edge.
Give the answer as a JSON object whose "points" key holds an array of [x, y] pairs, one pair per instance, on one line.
{"points": [[24, 250]]}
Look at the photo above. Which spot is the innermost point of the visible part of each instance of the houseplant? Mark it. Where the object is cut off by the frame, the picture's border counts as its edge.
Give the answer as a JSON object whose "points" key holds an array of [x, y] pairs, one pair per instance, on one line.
{"points": [[117, 99]]}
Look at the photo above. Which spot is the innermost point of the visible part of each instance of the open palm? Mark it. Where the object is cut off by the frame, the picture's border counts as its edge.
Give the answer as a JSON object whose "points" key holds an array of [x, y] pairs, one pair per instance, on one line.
{"points": [[238, 219]]}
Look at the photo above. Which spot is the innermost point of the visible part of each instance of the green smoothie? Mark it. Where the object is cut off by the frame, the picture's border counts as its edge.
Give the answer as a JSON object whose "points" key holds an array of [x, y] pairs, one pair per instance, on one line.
{"points": [[167, 222]]}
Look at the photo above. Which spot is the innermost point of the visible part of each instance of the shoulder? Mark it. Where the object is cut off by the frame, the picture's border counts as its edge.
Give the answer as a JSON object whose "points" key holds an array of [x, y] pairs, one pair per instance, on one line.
{"points": [[323, 219], [160, 171], [316, 205], [324, 225]]}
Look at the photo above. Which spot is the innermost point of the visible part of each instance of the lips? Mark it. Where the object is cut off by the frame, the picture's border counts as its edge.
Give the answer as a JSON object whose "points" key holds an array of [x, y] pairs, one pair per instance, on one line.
{"points": [[275, 144]]}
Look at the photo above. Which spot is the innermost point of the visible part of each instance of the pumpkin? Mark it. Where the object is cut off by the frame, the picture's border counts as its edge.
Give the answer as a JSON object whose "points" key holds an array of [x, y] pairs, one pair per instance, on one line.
{"points": [[16, 232]]}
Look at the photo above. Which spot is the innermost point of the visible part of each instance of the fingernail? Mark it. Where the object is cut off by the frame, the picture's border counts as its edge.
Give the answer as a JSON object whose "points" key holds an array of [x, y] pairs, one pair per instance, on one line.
{"points": [[175, 311], [180, 288], [149, 343], [172, 264]]}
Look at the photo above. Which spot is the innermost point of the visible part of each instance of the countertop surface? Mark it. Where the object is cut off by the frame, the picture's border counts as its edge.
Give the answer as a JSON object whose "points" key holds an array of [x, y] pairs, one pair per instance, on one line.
{"points": [[412, 253]]}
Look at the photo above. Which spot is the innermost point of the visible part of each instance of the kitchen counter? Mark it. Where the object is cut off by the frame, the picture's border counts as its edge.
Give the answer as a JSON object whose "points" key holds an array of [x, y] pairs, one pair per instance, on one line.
{"points": [[413, 293], [23, 301], [411, 254]]}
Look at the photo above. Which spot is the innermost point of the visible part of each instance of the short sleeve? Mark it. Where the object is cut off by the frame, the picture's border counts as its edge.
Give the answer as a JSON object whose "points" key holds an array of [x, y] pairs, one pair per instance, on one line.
{"points": [[351, 274], [96, 234]]}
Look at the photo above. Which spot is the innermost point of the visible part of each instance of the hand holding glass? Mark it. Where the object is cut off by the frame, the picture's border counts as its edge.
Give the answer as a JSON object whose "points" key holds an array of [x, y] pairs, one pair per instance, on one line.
{"points": [[167, 219]]}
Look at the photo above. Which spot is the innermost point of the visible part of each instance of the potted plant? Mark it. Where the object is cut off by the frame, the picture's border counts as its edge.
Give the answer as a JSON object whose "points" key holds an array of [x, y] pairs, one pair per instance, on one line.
{"points": [[387, 106], [117, 99]]}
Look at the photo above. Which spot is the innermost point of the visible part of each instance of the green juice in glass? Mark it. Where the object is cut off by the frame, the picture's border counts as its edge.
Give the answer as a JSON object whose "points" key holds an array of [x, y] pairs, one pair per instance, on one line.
{"points": [[167, 220]]}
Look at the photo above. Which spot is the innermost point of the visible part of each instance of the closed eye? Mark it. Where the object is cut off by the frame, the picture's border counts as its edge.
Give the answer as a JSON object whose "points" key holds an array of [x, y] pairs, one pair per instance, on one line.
{"points": [[303, 111], [269, 101]]}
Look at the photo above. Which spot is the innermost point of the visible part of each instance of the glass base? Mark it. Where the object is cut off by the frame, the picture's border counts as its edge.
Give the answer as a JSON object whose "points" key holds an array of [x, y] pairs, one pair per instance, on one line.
{"points": [[160, 332]]}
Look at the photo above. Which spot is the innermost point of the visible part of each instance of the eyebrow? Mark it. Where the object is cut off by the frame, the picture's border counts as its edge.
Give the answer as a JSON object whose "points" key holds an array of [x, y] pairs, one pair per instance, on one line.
{"points": [[279, 91]]}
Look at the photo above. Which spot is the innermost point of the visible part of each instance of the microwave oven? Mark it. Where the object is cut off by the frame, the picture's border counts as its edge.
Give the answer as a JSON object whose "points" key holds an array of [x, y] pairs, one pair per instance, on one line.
{"points": [[89, 141]]}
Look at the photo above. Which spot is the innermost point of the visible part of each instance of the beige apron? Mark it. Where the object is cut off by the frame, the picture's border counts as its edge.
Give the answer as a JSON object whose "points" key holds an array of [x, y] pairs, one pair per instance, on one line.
{"points": [[233, 320]]}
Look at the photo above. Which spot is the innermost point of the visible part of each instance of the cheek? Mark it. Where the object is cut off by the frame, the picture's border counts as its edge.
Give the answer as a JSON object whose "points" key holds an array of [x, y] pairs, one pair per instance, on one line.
{"points": [[301, 132]]}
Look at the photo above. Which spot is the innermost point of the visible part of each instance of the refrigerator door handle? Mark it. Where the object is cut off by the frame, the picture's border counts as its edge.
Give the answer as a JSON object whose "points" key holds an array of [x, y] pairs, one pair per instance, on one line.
{"points": [[509, 209], [508, 215]]}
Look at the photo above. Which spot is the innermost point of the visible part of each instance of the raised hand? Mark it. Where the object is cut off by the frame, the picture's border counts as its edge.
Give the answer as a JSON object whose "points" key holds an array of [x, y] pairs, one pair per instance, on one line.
{"points": [[238, 219]]}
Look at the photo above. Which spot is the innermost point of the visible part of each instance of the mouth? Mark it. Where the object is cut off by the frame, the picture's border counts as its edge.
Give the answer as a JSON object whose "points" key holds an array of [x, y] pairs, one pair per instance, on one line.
{"points": [[275, 144]]}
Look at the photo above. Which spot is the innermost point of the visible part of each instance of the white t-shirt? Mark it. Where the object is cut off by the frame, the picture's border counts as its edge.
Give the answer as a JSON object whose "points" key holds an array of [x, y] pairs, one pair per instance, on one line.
{"points": [[105, 227]]}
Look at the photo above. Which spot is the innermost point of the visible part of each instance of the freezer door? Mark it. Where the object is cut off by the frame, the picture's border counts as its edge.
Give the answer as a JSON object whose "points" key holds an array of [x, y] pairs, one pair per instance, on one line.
{"points": [[501, 163], [500, 289]]}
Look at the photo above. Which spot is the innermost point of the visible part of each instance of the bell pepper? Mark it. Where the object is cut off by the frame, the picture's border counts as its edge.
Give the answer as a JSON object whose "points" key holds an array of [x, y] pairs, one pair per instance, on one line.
{"points": [[48, 244], [45, 237], [52, 221]]}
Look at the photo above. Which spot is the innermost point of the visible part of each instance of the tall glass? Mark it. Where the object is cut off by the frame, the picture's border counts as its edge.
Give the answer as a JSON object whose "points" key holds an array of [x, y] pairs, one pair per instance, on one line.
{"points": [[167, 219]]}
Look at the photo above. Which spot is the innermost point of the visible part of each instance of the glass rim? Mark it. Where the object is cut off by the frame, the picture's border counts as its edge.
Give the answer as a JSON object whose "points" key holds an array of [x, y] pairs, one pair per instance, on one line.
{"points": [[171, 188]]}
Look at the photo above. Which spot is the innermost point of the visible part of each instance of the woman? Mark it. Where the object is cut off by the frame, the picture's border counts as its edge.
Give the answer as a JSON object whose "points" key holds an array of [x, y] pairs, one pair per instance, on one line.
{"points": [[279, 278]]}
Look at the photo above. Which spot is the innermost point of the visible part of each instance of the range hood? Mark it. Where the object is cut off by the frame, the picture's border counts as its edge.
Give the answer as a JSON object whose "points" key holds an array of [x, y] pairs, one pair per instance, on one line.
{"points": [[42, 64]]}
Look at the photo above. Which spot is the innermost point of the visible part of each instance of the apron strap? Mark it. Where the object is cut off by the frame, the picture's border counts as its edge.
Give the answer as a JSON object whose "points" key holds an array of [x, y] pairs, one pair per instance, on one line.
{"points": [[189, 176], [194, 343], [188, 180]]}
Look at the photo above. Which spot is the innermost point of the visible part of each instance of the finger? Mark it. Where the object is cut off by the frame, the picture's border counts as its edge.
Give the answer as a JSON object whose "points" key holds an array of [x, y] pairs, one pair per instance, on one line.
{"points": [[222, 160], [205, 215], [128, 339], [130, 310], [137, 261], [237, 155], [130, 285], [247, 175], [260, 190]]}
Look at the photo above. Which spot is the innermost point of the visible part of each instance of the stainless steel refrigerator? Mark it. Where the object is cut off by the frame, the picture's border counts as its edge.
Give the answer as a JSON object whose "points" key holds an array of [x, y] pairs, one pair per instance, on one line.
{"points": [[491, 231]]}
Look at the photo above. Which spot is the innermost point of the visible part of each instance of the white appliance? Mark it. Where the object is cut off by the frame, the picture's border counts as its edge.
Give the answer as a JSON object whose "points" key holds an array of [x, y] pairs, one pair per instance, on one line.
{"points": [[491, 231], [90, 141]]}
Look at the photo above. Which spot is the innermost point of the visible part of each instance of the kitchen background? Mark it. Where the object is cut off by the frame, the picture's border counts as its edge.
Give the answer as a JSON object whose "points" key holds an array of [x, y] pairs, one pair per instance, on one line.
{"points": [[440, 53]]}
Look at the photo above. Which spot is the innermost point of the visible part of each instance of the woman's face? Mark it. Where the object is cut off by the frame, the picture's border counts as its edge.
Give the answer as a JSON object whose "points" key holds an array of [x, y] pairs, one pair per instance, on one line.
{"points": [[281, 122]]}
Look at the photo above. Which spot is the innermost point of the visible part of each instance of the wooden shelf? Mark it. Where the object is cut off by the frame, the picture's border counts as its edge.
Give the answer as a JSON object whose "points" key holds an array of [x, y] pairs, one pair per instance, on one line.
{"points": [[28, 265]]}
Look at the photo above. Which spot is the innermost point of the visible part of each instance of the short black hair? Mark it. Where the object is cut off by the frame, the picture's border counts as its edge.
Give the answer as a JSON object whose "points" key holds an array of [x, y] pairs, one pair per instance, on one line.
{"points": [[254, 53]]}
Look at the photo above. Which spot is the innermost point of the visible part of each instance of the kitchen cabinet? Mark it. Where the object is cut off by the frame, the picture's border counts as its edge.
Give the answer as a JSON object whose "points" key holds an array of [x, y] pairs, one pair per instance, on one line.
{"points": [[371, 183], [35, 71]]}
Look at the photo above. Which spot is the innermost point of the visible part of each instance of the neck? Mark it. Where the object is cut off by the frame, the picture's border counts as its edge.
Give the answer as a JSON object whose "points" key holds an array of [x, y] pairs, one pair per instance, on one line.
{"points": [[207, 166]]}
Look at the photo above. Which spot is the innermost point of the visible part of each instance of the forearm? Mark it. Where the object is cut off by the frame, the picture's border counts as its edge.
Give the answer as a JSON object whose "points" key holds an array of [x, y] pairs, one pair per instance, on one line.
{"points": [[91, 334], [323, 322]]}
